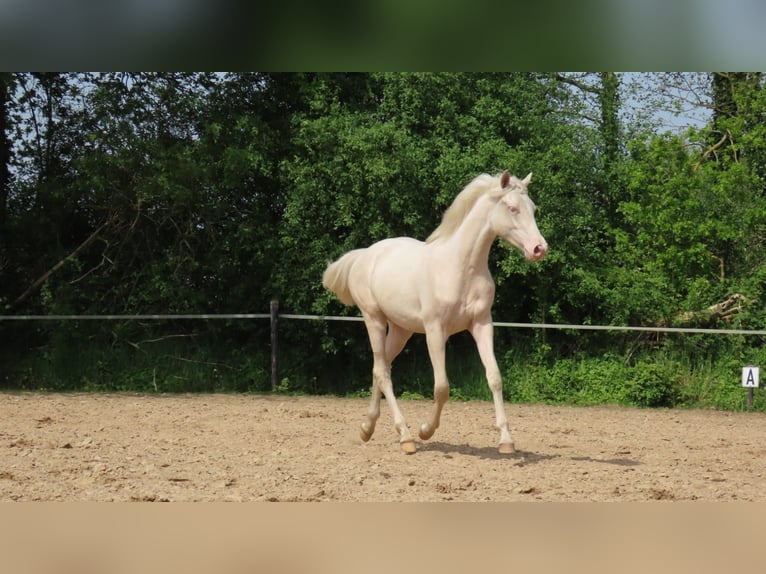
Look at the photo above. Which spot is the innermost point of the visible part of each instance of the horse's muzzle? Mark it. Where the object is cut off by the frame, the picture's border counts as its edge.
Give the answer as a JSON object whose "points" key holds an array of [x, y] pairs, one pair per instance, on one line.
{"points": [[537, 252]]}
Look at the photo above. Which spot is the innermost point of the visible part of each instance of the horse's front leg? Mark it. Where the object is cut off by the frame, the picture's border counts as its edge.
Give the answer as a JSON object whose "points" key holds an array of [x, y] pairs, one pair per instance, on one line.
{"points": [[482, 334], [436, 340]]}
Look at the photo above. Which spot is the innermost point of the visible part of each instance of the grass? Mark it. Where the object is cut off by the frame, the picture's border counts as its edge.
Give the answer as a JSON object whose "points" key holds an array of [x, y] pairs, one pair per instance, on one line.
{"points": [[674, 375]]}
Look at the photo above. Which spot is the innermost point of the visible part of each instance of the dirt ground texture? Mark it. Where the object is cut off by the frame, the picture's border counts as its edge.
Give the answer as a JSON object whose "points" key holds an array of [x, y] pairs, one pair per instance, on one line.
{"points": [[126, 447]]}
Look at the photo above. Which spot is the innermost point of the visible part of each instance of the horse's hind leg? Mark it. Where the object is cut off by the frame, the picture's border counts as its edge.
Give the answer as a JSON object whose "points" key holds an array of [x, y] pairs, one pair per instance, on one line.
{"points": [[384, 349], [395, 341], [373, 412]]}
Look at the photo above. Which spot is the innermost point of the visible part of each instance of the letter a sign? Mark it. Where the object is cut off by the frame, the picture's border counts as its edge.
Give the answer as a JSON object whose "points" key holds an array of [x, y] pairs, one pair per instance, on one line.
{"points": [[751, 376]]}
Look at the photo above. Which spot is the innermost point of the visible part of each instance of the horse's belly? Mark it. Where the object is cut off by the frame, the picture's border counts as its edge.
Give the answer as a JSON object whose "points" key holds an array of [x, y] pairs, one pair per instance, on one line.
{"points": [[400, 302], [395, 283]]}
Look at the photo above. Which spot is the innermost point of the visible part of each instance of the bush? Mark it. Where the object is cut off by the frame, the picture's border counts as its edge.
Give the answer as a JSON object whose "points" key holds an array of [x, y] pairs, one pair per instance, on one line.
{"points": [[578, 381], [654, 384]]}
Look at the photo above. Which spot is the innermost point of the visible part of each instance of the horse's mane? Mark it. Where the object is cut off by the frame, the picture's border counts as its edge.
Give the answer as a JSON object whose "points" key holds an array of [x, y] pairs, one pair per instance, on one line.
{"points": [[462, 204]]}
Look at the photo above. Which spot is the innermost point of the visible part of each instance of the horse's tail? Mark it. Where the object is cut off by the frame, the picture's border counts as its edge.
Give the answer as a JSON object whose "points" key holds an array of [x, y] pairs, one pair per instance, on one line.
{"points": [[335, 277]]}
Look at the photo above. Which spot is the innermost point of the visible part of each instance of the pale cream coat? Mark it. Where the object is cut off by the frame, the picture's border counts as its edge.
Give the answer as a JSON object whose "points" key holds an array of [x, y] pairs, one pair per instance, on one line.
{"points": [[438, 287]]}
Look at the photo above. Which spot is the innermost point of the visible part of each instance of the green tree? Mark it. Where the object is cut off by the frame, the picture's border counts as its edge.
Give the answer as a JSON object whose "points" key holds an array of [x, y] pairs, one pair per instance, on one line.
{"points": [[364, 173], [6, 87], [696, 210], [44, 223]]}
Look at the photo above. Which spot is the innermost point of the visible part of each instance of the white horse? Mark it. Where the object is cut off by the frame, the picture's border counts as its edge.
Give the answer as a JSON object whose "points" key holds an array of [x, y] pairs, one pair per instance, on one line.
{"points": [[438, 287]]}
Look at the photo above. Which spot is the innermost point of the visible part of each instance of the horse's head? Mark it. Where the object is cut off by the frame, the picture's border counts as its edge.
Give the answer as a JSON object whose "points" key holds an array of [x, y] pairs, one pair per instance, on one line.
{"points": [[513, 218]]}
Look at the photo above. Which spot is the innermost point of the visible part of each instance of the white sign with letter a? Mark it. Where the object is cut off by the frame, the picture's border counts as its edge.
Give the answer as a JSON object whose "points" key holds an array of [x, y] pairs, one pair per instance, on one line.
{"points": [[751, 377]]}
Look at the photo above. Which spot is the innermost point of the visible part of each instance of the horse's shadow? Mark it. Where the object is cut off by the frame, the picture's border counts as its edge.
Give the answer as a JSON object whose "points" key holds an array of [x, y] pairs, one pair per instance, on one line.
{"points": [[519, 458], [614, 461]]}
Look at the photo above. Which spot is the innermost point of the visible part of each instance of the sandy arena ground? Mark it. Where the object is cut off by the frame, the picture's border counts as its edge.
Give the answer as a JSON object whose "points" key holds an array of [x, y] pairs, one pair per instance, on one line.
{"points": [[126, 447]]}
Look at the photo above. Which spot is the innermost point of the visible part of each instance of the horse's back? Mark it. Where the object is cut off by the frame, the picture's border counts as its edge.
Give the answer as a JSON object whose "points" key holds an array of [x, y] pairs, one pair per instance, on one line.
{"points": [[395, 258], [394, 245]]}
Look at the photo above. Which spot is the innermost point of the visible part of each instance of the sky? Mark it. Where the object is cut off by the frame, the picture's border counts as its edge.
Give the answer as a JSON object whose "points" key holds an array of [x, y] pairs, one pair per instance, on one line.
{"points": [[676, 104]]}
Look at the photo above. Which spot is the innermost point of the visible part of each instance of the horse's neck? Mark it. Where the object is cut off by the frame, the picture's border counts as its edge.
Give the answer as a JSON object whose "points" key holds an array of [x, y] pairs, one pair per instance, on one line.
{"points": [[473, 238]]}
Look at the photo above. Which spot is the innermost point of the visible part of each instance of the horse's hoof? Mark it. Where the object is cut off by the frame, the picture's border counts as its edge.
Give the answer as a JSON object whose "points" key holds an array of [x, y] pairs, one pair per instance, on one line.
{"points": [[408, 446], [364, 435], [506, 448], [425, 433]]}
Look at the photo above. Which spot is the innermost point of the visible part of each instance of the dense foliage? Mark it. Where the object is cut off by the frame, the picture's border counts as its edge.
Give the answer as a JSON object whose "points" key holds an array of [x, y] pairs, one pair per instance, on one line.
{"points": [[125, 193]]}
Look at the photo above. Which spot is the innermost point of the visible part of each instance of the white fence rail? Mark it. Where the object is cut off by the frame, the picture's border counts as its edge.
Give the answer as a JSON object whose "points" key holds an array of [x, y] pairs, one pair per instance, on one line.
{"points": [[274, 317], [216, 316]]}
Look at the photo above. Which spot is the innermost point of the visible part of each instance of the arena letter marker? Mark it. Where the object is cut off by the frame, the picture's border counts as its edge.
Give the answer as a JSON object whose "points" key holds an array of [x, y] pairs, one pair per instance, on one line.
{"points": [[751, 377]]}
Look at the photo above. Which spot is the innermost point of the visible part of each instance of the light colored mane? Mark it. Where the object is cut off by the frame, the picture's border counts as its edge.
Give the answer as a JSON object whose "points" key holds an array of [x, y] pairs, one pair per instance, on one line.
{"points": [[462, 204]]}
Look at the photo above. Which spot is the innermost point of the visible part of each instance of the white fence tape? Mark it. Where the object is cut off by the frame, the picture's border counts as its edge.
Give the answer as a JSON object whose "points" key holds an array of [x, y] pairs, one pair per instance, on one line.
{"points": [[213, 316]]}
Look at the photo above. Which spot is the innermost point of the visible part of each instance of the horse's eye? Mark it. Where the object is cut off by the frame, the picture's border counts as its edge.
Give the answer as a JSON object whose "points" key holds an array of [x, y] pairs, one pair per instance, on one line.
{"points": [[513, 209]]}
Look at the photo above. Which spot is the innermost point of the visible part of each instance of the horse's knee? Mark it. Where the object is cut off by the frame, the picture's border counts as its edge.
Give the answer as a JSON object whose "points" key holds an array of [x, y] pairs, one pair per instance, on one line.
{"points": [[495, 382]]}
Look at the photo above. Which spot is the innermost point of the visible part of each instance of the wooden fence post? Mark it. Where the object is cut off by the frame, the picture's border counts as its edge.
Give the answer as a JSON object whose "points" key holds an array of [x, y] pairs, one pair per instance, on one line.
{"points": [[274, 310]]}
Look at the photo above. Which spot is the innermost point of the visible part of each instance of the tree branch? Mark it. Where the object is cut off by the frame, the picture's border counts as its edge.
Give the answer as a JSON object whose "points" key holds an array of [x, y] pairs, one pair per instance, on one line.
{"points": [[44, 277], [712, 149], [578, 84], [725, 311]]}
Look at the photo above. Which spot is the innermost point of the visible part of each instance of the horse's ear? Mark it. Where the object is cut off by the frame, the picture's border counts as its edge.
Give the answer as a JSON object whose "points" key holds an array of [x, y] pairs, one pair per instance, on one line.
{"points": [[527, 179], [505, 179]]}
